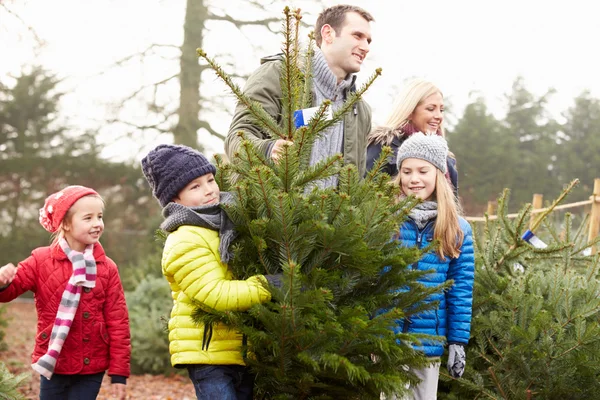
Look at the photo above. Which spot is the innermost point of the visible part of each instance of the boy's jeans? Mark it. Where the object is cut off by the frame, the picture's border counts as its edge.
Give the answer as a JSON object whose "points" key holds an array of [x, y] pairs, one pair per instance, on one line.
{"points": [[71, 387], [223, 382]]}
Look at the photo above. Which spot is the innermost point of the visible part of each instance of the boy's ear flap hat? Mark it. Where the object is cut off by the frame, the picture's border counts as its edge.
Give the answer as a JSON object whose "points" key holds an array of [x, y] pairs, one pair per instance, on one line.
{"points": [[169, 168], [57, 204]]}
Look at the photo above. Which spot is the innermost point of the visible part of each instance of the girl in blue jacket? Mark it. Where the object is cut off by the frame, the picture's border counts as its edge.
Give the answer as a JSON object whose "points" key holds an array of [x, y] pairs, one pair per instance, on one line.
{"points": [[422, 167]]}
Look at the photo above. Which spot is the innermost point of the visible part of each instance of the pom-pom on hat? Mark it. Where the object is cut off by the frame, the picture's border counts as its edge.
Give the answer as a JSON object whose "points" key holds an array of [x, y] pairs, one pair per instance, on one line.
{"points": [[57, 204], [169, 168], [429, 147]]}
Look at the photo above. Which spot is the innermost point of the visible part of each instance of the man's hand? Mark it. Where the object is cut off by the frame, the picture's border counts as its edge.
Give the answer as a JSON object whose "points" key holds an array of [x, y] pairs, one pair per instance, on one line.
{"points": [[7, 274], [119, 391], [277, 150], [457, 359]]}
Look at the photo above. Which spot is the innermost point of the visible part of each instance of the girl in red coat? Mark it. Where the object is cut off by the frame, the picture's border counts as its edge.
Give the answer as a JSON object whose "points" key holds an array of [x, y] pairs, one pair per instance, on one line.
{"points": [[83, 324]]}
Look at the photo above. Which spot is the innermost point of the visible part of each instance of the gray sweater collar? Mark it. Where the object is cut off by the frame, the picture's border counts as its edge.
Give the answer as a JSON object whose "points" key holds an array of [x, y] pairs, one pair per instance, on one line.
{"points": [[324, 78]]}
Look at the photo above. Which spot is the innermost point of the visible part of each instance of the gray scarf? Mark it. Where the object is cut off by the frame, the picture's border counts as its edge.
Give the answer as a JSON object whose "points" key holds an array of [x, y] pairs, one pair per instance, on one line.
{"points": [[211, 217], [326, 87], [423, 213]]}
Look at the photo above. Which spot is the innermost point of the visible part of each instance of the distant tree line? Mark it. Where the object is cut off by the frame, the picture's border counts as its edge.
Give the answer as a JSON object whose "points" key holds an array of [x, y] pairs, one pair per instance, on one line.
{"points": [[528, 151]]}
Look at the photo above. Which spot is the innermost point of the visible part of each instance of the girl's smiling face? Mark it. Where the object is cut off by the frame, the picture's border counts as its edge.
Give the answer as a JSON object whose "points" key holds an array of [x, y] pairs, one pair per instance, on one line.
{"points": [[417, 177], [83, 223]]}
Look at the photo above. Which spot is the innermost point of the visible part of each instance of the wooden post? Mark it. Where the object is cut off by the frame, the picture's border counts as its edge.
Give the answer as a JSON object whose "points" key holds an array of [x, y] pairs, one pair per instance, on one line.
{"points": [[491, 208], [538, 201], [595, 214]]}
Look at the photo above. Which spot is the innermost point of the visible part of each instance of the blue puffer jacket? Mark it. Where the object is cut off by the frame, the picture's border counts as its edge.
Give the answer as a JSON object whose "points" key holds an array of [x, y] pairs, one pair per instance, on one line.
{"points": [[452, 318]]}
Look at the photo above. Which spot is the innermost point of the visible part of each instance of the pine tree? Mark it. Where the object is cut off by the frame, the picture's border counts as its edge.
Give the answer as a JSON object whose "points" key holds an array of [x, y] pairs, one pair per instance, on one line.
{"points": [[9, 384], [326, 333], [535, 330]]}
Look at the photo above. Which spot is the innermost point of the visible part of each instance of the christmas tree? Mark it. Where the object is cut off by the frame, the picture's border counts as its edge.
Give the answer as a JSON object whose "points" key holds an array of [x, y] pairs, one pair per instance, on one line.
{"points": [[535, 331], [326, 333]]}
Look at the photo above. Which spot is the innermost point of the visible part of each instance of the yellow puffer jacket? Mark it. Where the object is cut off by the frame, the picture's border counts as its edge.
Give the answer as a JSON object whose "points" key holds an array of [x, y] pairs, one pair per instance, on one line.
{"points": [[192, 265]]}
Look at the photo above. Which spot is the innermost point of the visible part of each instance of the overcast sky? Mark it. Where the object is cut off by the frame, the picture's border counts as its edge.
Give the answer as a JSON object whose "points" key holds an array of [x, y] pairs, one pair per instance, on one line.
{"points": [[465, 46]]}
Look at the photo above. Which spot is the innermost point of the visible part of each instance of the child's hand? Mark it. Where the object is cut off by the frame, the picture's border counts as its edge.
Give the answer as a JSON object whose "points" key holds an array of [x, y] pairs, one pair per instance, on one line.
{"points": [[119, 391], [7, 274]]}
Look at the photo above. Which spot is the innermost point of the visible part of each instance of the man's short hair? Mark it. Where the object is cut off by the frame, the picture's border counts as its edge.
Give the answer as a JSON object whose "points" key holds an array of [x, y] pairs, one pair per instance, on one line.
{"points": [[335, 17]]}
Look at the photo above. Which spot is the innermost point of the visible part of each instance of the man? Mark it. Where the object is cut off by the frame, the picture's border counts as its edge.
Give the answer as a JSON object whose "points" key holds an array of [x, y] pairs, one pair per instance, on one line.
{"points": [[343, 37]]}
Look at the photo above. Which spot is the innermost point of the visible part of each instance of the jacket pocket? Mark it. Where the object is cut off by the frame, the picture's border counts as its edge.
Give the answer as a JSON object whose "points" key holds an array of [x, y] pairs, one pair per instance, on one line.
{"points": [[103, 333], [42, 341]]}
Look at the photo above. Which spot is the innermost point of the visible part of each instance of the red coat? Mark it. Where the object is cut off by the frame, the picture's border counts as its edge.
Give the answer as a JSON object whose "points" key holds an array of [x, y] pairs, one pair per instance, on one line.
{"points": [[99, 337]]}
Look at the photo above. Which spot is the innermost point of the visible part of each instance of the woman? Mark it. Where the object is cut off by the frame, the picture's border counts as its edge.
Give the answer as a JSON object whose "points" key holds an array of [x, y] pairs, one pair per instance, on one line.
{"points": [[418, 108]]}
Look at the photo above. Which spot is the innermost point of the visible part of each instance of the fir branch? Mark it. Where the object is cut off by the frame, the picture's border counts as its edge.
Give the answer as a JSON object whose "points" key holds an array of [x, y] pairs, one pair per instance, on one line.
{"points": [[595, 268], [556, 202], [497, 382], [296, 50], [322, 169], [346, 174], [308, 74], [250, 151], [289, 74], [285, 162], [314, 126], [262, 118], [386, 151], [262, 184], [348, 104], [374, 209]]}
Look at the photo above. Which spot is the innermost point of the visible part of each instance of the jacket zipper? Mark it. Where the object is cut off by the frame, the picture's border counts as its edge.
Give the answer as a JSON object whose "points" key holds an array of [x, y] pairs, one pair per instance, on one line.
{"points": [[420, 232]]}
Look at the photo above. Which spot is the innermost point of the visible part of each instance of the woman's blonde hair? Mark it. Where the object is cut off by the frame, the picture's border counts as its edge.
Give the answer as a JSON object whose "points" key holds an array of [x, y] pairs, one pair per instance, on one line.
{"points": [[447, 230], [60, 232], [411, 95]]}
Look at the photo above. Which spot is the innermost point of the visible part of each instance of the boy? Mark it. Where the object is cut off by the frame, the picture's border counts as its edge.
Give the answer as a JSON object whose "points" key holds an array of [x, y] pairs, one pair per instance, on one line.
{"points": [[194, 262]]}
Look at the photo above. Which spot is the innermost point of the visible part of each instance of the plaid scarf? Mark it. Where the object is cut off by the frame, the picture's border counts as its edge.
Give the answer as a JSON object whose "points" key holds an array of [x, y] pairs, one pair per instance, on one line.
{"points": [[84, 274]]}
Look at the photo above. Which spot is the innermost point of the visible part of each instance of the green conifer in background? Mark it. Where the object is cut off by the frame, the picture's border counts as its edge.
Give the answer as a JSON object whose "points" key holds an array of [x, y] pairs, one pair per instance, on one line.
{"points": [[10, 383], [535, 331]]}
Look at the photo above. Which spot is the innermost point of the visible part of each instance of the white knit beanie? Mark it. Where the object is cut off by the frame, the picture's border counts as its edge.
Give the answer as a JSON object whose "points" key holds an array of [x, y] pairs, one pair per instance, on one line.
{"points": [[429, 147]]}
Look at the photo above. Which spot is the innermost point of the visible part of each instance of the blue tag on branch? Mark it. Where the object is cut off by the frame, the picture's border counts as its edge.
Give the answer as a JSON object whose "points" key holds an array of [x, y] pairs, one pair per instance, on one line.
{"points": [[533, 240], [301, 117]]}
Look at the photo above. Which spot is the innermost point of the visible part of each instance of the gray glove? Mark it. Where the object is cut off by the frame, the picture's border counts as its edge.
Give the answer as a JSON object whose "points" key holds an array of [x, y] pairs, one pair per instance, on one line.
{"points": [[275, 280], [457, 359]]}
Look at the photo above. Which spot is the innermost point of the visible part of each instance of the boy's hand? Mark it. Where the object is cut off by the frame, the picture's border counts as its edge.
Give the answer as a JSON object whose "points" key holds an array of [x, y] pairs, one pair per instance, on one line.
{"points": [[119, 391], [7, 274]]}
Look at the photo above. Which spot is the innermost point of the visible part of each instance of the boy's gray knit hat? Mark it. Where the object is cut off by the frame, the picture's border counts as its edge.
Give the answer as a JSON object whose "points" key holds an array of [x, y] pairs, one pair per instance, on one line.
{"points": [[169, 168], [429, 147]]}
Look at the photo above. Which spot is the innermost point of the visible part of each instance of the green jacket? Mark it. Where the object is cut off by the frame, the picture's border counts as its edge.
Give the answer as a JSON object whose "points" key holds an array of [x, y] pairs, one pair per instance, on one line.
{"points": [[192, 265], [264, 87]]}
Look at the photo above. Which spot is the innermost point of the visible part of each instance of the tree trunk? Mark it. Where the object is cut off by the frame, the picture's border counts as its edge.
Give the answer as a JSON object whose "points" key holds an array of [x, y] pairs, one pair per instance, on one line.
{"points": [[186, 131]]}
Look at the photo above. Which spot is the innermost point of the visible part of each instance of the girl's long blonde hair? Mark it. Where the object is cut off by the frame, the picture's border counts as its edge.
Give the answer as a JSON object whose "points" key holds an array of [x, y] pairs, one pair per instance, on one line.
{"points": [[412, 94], [447, 231]]}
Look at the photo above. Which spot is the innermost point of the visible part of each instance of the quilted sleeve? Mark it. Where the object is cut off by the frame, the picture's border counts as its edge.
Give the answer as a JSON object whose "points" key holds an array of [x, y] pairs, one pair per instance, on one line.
{"points": [[459, 298], [190, 264], [24, 280], [117, 324]]}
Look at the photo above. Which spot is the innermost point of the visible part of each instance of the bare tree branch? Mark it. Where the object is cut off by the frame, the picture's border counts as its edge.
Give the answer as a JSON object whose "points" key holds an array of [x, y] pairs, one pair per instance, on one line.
{"points": [[140, 54], [206, 125], [155, 85], [239, 24], [156, 126], [39, 40]]}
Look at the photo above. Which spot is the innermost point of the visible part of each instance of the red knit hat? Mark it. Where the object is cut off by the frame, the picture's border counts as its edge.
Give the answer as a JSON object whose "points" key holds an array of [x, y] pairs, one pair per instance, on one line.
{"points": [[57, 204]]}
